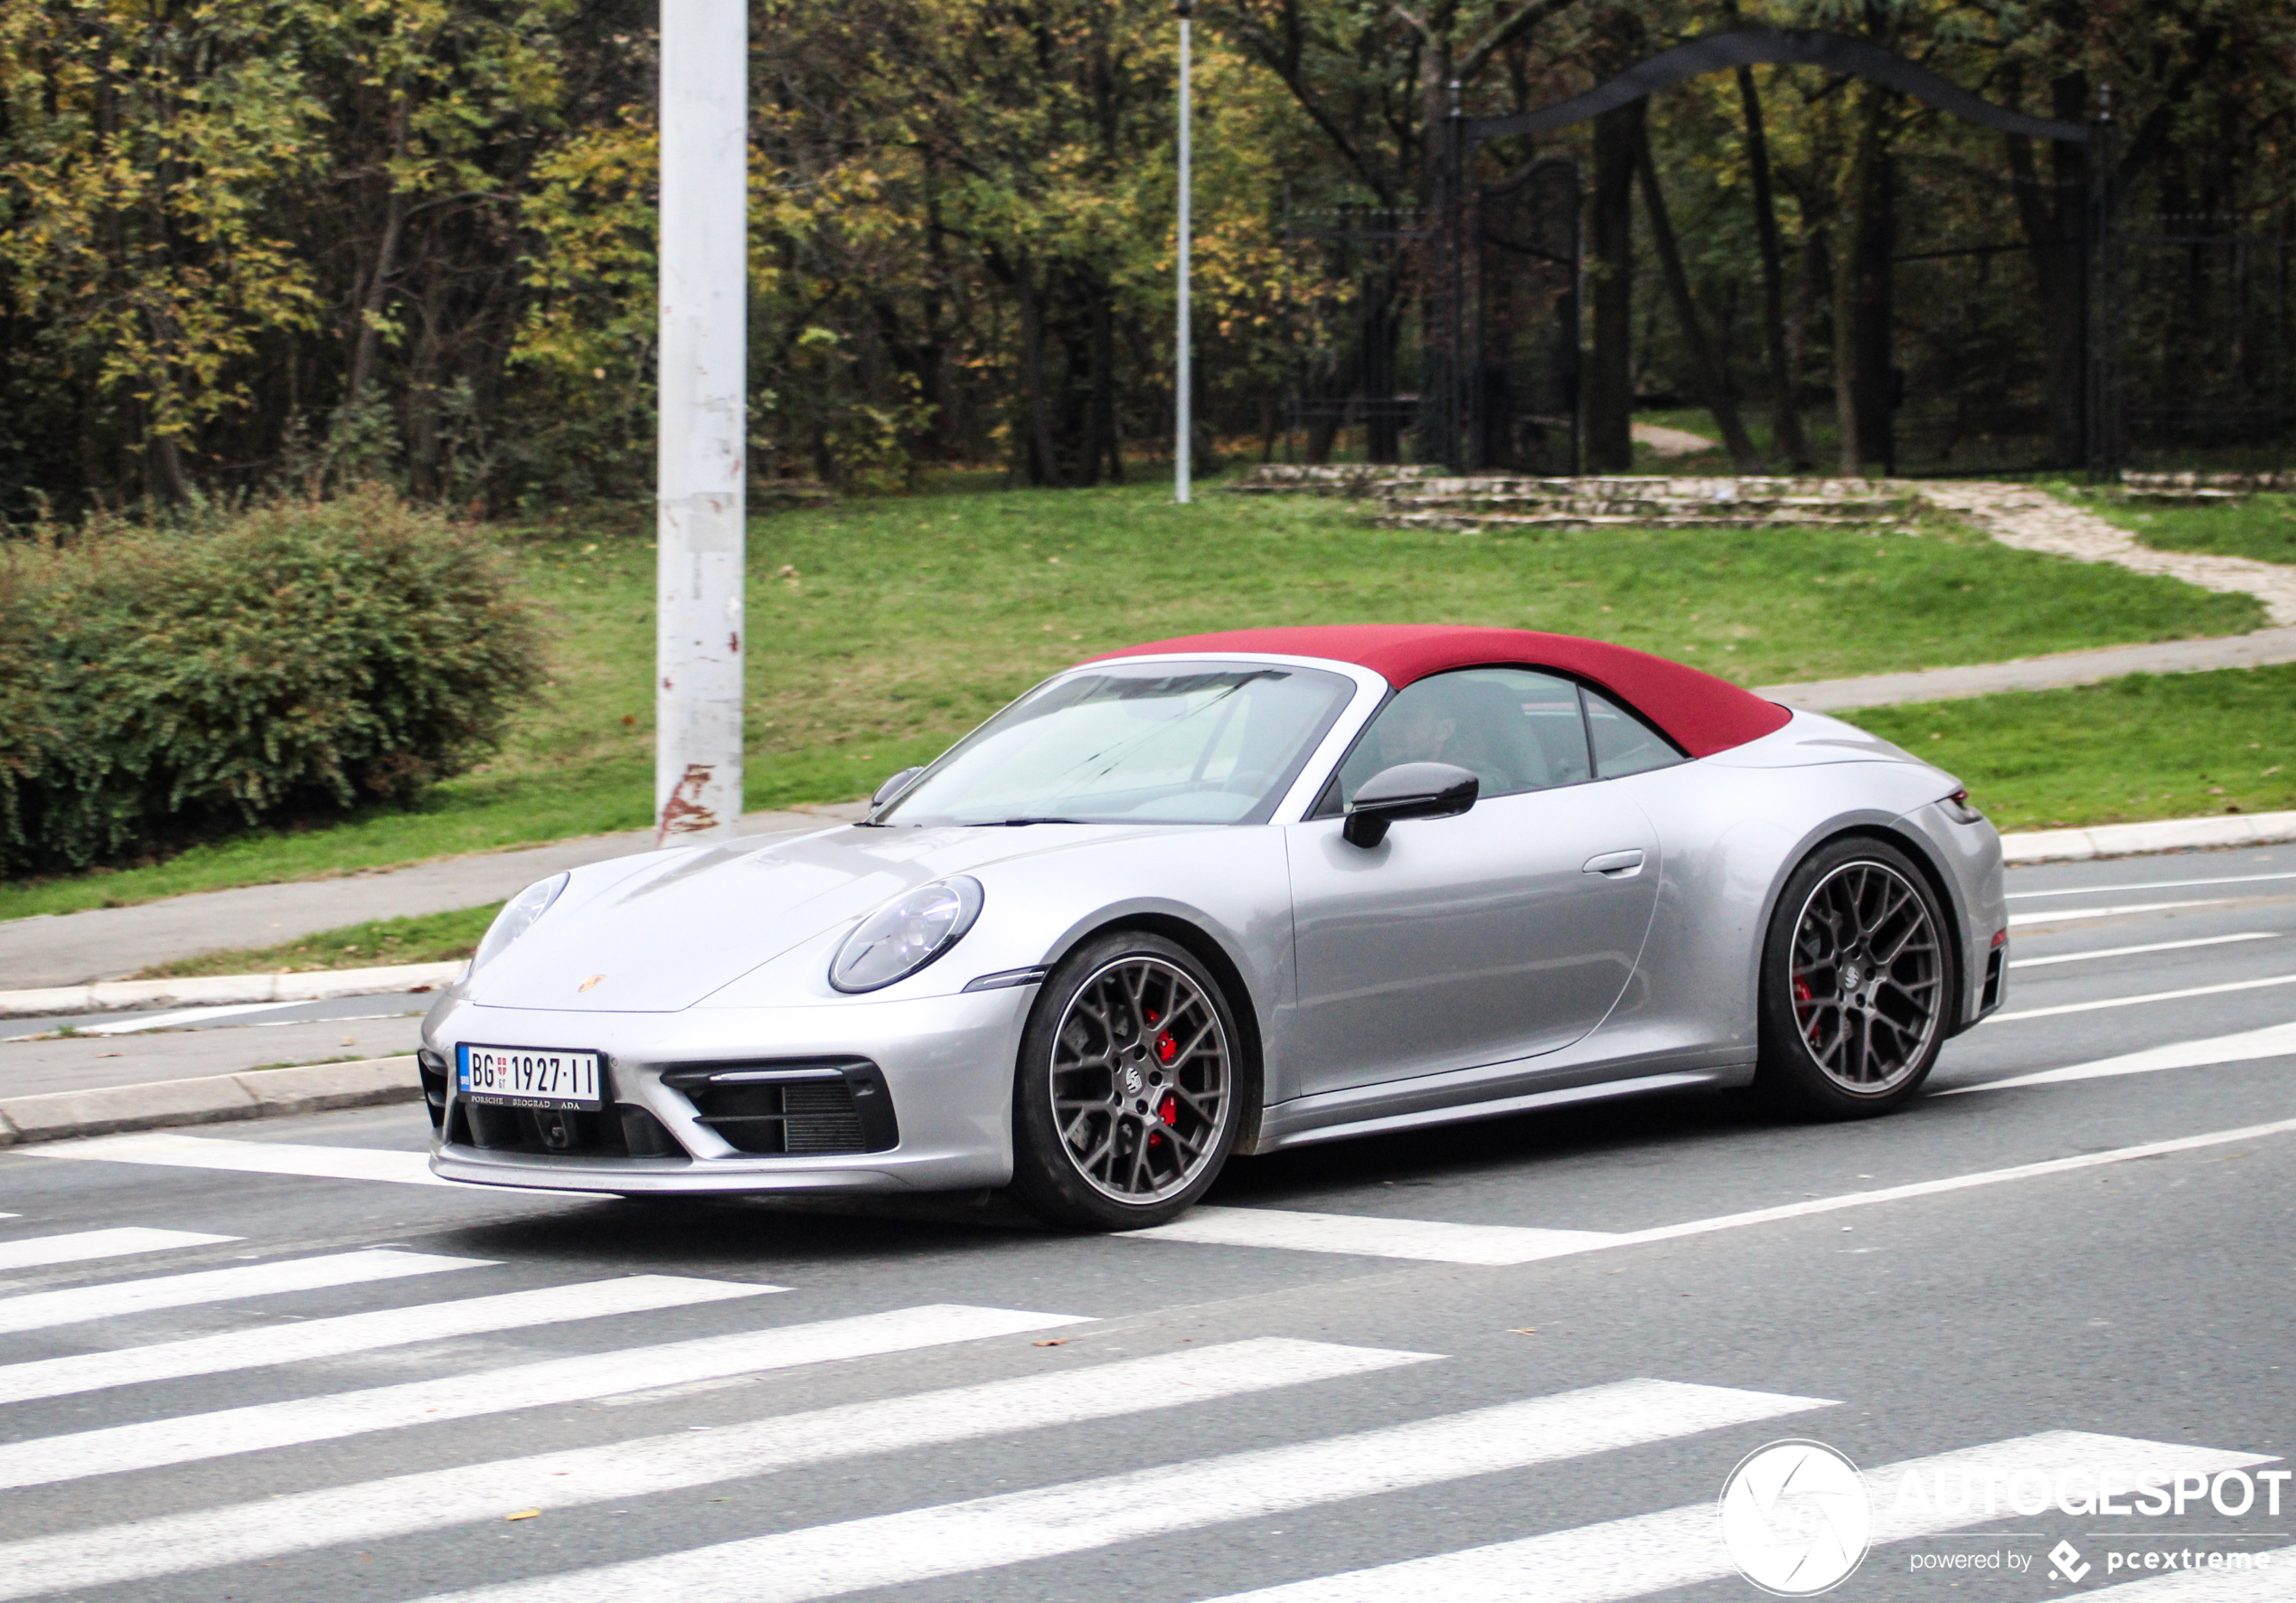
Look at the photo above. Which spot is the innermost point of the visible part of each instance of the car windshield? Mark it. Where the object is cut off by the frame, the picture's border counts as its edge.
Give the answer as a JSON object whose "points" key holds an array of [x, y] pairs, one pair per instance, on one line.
{"points": [[1144, 743]]}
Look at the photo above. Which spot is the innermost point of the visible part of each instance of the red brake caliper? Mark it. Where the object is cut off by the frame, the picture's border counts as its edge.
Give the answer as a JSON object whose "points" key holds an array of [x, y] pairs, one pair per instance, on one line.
{"points": [[1802, 993], [1168, 1110]]}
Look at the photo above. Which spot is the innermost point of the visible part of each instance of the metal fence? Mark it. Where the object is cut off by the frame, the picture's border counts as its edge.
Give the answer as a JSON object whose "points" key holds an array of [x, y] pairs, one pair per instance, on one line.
{"points": [[2036, 324]]}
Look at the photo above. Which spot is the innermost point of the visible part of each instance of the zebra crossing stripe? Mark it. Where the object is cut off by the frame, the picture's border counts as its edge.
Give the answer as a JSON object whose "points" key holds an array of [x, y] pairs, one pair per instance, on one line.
{"points": [[432, 1500], [43, 1310], [959, 1538], [358, 1332], [36, 1252], [191, 1437], [251, 1157], [2267, 1580], [1681, 1547]]}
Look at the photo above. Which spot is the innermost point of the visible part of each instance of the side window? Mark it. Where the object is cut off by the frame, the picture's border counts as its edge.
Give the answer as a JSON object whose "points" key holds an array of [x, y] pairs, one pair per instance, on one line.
{"points": [[1513, 728], [1623, 743]]}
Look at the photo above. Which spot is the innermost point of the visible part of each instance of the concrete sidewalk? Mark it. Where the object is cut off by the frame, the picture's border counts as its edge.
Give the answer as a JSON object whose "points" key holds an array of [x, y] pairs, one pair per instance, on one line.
{"points": [[108, 943], [71, 1115], [53, 1064]]}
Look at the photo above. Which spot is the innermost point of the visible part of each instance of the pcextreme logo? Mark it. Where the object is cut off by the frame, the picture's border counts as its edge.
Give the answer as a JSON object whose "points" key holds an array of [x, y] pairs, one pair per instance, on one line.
{"points": [[2064, 1559]]}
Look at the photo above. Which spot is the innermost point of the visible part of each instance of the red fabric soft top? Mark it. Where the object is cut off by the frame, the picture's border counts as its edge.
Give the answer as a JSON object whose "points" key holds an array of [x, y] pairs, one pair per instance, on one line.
{"points": [[1701, 714]]}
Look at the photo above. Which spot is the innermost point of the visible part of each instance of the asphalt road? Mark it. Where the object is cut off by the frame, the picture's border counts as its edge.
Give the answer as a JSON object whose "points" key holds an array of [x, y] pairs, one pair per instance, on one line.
{"points": [[1516, 1360]]}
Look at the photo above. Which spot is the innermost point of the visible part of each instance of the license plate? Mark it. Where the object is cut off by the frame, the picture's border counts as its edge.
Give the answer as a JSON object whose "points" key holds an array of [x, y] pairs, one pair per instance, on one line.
{"points": [[529, 1077]]}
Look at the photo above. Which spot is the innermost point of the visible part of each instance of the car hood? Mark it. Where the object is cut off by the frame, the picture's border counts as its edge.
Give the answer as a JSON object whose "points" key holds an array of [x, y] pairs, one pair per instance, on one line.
{"points": [[659, 932]]}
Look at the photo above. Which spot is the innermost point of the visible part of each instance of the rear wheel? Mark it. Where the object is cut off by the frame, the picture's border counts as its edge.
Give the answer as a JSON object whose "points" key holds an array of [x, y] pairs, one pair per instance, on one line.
{"points": [[1855, 981], [1129, 1091]]}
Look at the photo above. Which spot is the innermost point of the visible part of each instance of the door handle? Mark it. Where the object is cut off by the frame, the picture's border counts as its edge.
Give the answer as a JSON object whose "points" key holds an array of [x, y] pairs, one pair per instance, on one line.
{"points": [[1616, 865]]}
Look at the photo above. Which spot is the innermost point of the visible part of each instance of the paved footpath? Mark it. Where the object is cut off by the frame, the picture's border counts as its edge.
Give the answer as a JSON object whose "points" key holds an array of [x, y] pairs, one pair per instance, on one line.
{"points": [[2034, 520], [2056, 672]]}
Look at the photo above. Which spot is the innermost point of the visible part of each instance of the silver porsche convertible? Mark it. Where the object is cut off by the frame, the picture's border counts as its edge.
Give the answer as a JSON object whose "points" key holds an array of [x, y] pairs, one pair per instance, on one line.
{"points": [[1230, 893]]}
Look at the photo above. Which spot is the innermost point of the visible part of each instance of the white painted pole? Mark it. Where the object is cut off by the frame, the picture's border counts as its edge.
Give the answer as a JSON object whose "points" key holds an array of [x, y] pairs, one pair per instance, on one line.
{"points": [[1183, 378], [703, 441]]}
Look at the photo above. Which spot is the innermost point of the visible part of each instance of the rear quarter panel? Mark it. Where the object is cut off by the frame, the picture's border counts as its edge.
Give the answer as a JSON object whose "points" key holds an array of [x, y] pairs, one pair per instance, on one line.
{"points": [[1733, 827]]}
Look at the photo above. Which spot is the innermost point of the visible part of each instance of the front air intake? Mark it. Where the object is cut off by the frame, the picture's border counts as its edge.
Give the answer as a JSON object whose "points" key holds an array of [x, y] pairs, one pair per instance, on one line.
{"points": [[431, 1069], [808, 1108]]}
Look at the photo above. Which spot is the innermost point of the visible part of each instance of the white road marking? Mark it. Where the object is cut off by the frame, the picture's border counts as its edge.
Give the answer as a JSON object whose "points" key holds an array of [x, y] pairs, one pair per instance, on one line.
{"points": [[2050, 1012], [1953, 1183], [2159, 946], [346, 1334], [2156, 885], [1681, 1547], [960, 1538], [2273, 1041], [191, 1437], [2020, 920], [1367, 1236], [135, 1023], [1599, 1241], [34, 1251], [44, 1310], [2267, 1582], [433, 1500]]}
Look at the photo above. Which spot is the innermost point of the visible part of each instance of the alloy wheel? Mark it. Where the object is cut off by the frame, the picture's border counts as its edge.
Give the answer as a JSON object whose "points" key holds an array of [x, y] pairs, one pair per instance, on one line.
{"points": [[1140, 1081], [1868, 977]]}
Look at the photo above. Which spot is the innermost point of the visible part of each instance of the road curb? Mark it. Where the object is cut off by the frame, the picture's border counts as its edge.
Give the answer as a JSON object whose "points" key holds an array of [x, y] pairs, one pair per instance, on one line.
{"points": [[216, 1099], [105, 995], [2135, 840]]}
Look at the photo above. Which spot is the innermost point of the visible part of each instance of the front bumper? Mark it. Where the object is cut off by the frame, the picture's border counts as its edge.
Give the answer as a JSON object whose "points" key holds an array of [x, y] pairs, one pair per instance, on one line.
{"points": [[946, 1062], [1971, 855]]}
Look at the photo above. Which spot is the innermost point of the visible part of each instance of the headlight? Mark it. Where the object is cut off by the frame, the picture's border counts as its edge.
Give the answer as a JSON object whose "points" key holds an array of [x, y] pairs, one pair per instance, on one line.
{"points": [[906, 934], [517, 917]]}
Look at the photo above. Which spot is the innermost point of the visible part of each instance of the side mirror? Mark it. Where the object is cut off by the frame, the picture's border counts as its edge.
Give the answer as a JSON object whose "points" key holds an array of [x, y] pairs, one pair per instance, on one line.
{"points": [[893, 787], [1407, 790]]}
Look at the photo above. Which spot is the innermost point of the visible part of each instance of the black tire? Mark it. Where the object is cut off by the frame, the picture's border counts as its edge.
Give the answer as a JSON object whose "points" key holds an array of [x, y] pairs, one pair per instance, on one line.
{"points": [[1857, 977], [1119, 1120]]}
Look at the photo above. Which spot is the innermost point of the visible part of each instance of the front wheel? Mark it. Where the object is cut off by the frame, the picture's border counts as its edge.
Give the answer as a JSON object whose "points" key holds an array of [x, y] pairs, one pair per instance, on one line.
{"points": [[1129, 1091], [1855, 984]]}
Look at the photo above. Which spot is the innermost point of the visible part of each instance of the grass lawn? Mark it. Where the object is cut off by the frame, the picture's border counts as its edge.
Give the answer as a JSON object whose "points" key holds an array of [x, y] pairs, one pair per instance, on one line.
{"points": [[2259, 526], [2152, 745], [434, 938], [880, 630]]}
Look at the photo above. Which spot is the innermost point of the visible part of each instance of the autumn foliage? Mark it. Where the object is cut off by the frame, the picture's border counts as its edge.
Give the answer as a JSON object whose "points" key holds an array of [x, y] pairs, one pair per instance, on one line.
{"points": [[413, 239]]}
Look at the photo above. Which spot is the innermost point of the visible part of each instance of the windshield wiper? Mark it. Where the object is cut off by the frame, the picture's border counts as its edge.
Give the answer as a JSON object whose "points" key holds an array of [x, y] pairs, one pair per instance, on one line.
{"points": [[1017, 823]]}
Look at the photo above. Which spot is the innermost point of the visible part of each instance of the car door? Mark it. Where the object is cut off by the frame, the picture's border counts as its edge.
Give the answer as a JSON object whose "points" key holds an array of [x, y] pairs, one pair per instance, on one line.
{"points": [[1507, 931]]}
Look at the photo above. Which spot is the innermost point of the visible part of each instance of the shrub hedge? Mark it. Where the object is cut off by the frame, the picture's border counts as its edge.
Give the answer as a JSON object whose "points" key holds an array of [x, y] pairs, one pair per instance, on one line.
{"points": [[159, 684]]}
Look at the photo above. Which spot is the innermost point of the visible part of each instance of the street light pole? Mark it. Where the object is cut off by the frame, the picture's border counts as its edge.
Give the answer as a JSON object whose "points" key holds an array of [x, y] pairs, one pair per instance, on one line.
{"points": [[703, 391], [1184, 380]]}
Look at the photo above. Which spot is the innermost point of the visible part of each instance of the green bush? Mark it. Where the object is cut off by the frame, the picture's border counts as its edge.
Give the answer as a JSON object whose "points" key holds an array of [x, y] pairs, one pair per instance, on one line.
{"points": [[160, 685]]}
